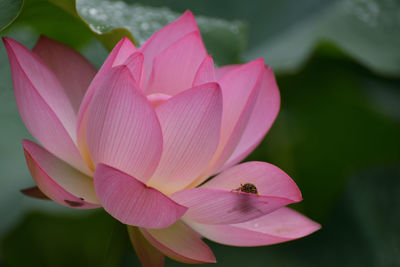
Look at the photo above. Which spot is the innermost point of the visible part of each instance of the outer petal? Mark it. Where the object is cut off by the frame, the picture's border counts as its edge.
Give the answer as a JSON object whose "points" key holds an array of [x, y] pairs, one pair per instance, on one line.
{"points": [[190, 123], [269, 180], [240, 89], [72, 70], [264, 113], [43, 104], [132, 202], [59, 181], [118, 56], [180, 243], [175, 68], [206, 72], [122, 128], [166, 36], [217, 206], [279, 226], [147, 254], [30, 73]]}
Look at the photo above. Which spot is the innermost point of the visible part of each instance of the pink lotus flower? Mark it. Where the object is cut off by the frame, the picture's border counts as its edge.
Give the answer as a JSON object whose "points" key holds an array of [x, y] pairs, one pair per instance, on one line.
{"points": [[140, 137]]}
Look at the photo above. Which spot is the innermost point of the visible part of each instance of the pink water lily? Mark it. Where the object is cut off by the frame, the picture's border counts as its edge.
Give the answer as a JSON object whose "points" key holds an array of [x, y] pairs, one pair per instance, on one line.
{"points": [[141, 136]]}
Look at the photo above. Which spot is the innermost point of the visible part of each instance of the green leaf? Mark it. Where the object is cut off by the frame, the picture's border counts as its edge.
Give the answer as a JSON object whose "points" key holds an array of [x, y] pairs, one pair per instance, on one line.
{"points": [[286, 32], [60, 20], [9, 10], [109, 21], [224, 39], [367, 31], [108, 33]]}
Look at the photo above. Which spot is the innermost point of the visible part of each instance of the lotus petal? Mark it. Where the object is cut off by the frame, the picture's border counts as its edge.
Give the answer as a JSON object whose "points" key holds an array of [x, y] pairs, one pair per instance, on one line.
{"points": [[147, 254], [122, 127], [72, 70], [190, 123], [58, 180], [180, 243], [279, 226], [132, 202]]}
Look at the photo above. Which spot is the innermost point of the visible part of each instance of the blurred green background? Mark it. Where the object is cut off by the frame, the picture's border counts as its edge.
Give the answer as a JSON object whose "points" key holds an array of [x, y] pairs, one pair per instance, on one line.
{"points": [[337, 64]]}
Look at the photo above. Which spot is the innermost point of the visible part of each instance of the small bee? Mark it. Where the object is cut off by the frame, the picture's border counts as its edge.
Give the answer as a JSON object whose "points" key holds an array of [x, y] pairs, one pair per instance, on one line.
{"points": [[247, 188]]}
